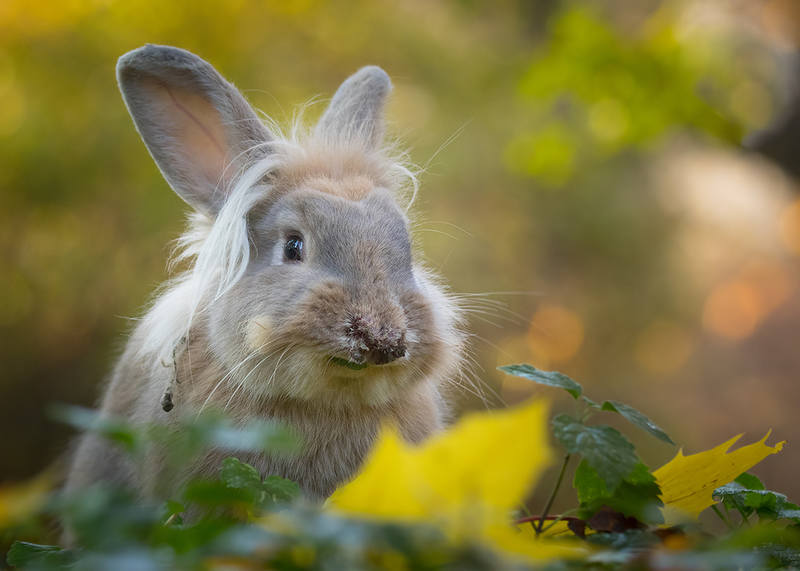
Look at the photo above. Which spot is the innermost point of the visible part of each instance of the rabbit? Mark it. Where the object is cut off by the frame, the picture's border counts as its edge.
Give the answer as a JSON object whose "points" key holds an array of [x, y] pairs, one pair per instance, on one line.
{"points": [[302, 302]]}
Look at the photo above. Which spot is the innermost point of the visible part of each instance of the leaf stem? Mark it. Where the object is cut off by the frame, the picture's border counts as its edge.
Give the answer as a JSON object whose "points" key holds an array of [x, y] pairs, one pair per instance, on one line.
{"points": [[563, 517], [745, 519], [552, 497], [722, 517]]}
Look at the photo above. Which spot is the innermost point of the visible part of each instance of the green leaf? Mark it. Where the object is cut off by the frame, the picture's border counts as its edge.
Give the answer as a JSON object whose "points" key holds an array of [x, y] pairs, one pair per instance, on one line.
{"points": [[237, 474], [24, 554], [280, 490], [271, 491], [630, 539], [636, 496], [549, 378], [747, 494], [789, 511], [750, 482], [637, 418], [172, 512], [114, 429], [590, 402], [602, 447], [217, 493]]}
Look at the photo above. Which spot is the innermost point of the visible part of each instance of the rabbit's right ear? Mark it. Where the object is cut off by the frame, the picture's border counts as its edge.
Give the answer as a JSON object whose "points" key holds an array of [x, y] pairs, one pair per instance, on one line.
{"points": [[197, 126]]}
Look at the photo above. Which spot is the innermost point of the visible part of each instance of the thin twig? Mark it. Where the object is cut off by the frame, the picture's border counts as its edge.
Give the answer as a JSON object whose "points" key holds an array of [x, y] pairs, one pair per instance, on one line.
{"points": [[554, 518], [722, 517], [552, 497]]}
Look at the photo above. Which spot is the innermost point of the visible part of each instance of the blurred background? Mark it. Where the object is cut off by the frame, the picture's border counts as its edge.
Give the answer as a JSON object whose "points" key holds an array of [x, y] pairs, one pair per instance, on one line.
{"points": [[621, 176]]}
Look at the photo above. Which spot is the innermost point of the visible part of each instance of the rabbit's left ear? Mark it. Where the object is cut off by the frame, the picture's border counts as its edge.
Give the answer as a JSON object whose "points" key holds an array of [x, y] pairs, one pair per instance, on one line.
{"points": [[355, 114]]}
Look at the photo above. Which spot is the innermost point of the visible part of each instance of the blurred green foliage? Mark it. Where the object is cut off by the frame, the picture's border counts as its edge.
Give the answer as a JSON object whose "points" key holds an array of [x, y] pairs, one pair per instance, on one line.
{"points": [[596, 93], [240, 519]]}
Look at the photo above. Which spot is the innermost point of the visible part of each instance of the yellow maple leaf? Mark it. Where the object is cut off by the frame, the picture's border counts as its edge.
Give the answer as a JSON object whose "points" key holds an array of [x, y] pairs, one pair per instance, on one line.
{"points": [[467, 480], [688, 482]]}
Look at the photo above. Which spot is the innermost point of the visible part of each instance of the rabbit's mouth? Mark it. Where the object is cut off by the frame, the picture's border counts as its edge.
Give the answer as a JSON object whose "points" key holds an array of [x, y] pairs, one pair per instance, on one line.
{"points": [[348, 364]]}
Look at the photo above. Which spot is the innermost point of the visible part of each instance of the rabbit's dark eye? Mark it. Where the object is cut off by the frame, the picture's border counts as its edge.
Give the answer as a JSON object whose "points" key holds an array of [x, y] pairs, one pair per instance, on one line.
{"points": [[293, 249]]}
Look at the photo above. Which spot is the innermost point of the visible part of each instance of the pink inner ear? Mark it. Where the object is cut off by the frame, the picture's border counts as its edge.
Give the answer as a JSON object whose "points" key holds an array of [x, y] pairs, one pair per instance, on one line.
{"points": [[197, 129]]}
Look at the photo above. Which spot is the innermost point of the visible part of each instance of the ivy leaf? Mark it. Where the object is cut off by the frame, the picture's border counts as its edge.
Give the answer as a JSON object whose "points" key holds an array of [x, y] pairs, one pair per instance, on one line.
{"points": [[602, 447], [549, 378], [637, 418], [637, 496]]}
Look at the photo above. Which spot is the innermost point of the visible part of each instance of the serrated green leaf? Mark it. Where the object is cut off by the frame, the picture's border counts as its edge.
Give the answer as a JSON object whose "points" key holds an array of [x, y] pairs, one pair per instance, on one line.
{"points": [[637, 419], [549, 378], [236, 474], [766, 503], [750, 482], [789, 511], [280, 490], [602, 447], [637, 495], [24, 554]]}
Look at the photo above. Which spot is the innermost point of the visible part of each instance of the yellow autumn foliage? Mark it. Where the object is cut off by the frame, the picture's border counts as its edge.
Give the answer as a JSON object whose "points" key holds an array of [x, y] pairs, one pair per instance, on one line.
{"points": [[688, 482], [467, 480], [20, 501]]}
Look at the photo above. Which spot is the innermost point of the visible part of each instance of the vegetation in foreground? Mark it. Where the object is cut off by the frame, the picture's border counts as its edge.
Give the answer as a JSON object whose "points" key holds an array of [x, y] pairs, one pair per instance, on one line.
{"points": [[456, 502]]}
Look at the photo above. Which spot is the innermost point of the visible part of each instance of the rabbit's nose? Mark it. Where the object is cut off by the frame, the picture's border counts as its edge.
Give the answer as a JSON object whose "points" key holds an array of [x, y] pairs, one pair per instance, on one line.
{"points": [[375, 344]]}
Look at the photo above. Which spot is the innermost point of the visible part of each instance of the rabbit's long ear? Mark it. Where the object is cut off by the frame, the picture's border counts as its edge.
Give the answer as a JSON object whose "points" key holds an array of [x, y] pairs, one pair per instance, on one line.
{"points": [[196, 125], [355, 113]]}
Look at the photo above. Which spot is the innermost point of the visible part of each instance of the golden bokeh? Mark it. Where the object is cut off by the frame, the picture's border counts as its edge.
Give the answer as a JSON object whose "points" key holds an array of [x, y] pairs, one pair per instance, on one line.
{"points": [[555, 335], [663, 347], [789, 225]]}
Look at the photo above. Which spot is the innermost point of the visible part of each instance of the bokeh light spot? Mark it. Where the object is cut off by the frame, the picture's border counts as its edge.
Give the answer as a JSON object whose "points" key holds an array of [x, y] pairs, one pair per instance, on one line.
{"points": [[733, 310], [790, 226], [663, 347], [555, 334]]}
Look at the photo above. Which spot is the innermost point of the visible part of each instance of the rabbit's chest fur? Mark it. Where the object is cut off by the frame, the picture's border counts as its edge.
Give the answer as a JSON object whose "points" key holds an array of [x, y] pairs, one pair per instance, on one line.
{"points": [[335, 439]]}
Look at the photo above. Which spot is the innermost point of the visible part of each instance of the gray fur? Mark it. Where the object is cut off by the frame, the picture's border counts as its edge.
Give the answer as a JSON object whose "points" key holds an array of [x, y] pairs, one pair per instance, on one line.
{"points": [[152, 80], [262, 348], [356, 110]]}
